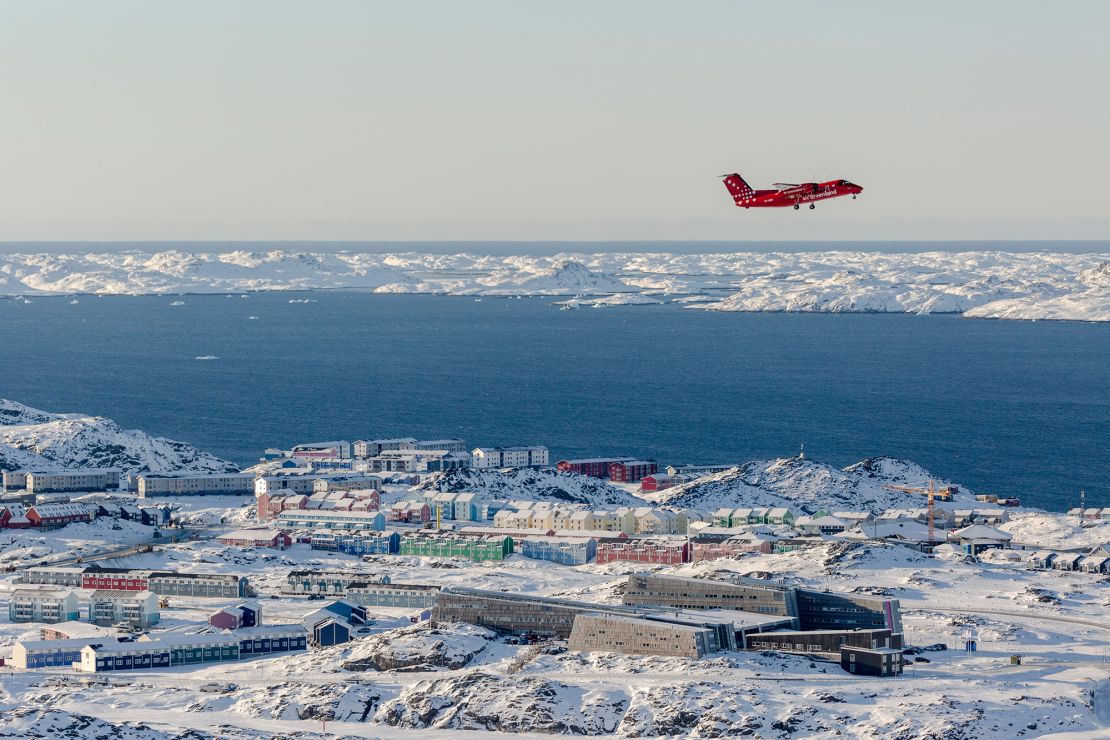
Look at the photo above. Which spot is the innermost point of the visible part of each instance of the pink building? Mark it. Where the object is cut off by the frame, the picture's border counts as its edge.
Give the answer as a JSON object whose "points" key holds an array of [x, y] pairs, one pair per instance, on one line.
{"points": [[643, 550]]}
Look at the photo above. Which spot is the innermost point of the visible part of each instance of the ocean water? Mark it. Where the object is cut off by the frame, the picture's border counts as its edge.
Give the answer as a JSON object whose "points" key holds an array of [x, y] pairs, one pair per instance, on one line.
{"points": [[1014, 408]]}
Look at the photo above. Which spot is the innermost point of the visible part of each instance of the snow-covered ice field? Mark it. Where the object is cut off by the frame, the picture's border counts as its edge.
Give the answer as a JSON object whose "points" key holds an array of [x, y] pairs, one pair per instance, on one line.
{"points": [[986, 284]]}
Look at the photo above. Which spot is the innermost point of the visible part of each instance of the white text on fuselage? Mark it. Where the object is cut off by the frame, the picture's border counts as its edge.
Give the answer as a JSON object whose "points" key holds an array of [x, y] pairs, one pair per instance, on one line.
{"points": [[814, 195]]}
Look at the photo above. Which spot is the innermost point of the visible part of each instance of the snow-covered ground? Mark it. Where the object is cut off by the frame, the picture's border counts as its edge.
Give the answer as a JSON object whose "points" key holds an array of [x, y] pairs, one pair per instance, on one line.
{"points": [[31, 439], [464, 681], [987, 284]]}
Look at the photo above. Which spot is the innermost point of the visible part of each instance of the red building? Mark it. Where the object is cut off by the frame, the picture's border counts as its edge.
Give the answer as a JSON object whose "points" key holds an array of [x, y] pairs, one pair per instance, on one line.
{"points": [[256, 538], [47, 516], [14, 517], [642, 550], [411, 512], [630, 471], [595, 467], [657, 482], [270, 505], [125, 581], [710, 550]]}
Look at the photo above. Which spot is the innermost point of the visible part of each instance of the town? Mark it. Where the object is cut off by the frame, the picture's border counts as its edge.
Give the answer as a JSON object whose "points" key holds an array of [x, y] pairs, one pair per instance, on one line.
{"points": [[353, 545]]}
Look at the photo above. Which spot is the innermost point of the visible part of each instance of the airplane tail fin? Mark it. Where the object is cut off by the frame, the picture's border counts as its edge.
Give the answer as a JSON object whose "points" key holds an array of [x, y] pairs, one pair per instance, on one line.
{"points": [[738, 188]]}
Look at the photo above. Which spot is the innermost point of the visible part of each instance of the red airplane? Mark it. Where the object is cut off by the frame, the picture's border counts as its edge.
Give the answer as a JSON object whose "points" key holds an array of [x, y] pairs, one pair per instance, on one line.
{"points": [[786, 194]]}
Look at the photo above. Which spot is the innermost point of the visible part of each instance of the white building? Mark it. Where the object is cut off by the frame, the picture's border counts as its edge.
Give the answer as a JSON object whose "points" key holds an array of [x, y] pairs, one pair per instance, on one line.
{"points": [[91, 479], [418, 461], [428, 445], [533, 456], [365, 448], [229, 484], [284, 484], [34, 605], [321, 450], [136, 608]]}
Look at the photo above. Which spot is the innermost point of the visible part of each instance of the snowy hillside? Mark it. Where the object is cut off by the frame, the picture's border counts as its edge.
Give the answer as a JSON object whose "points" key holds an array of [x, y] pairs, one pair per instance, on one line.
{"points": [[538, 485], [1042, 285], [38, 440], [805, 484]]}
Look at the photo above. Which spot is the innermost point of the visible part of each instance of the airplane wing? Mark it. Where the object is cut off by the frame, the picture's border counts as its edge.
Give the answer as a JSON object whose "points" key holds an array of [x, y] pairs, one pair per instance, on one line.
{"points": [[785, 185]]}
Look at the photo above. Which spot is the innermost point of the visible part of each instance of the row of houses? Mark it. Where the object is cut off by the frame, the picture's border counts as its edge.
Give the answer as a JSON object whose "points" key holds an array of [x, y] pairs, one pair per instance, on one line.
{"points": [[621, 469], [342, 495], [57, 515], [61, 481], [166, 650], [1090, 514], [106, 607], [163, 583], [1095, 560], [641, 520]]}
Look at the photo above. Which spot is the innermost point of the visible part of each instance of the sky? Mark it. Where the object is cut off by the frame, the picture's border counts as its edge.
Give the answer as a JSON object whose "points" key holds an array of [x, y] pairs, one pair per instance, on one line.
{"points": [[517, 120]]}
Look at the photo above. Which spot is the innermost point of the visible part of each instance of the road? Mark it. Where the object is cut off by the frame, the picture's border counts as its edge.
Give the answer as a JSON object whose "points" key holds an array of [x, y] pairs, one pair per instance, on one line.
{"points": [[1104, 625], [110, 553]]}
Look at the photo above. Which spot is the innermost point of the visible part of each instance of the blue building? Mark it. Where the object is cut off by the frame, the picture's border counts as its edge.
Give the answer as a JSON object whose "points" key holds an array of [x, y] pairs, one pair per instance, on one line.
{"points": [[124, 656], [565, 551], [50, 653], [330, 632], [357, 543], [271, 638]]}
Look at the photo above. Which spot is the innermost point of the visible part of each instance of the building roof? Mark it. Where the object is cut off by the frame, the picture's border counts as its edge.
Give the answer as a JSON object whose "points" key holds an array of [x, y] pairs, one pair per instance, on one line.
{"points": [[80, 630], [584, 460], [108, 594], [53, 645], [196, 476], [262, 630], [184, 638], [254, 535], [60, 510], [983, 532], [36, 594], [75, 471]]}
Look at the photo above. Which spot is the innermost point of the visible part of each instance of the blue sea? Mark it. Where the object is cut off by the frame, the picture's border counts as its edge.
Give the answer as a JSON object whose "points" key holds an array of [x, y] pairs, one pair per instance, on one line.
{"points": [[1014, 408]]}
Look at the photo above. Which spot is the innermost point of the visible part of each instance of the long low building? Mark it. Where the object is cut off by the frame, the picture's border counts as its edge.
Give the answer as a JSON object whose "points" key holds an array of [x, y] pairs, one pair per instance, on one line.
{"points": [[356, 543], [826, 643], [394, 595], [31, 654], [526, 614], [63, 481], [175, 649], [644, 589], [637, 636], [329, 582], [373, 521], [225, 484], [815, 610], [163, 583]]}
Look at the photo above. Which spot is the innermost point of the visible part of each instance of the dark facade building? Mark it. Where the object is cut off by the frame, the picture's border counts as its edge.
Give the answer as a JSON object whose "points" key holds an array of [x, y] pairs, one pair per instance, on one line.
{"points": [[824, 642], [871, 661], [819, 610], [748, 595], [595, 467], [814, 610]]}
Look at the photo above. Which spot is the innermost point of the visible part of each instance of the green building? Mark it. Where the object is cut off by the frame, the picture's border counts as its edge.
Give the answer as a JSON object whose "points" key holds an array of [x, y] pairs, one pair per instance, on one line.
{"points": [[456, 546]]}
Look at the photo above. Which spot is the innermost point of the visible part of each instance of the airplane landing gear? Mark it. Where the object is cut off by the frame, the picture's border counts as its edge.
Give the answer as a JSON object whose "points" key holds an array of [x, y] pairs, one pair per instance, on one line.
{"points": [[853, 197], [812, 206], [796, 206]]}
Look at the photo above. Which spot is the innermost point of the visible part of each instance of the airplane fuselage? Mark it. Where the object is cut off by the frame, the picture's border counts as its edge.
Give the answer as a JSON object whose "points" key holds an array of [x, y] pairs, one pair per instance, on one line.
{"points": [[796, 195]]}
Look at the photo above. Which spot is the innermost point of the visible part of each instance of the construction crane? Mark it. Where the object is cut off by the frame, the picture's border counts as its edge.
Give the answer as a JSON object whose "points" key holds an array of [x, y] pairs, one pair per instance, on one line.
{"points": [[932, 492]]}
